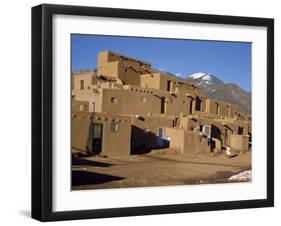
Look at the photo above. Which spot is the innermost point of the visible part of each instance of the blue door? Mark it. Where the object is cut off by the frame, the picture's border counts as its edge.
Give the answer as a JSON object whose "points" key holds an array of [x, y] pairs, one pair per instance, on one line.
{"points": [[160, 137]]}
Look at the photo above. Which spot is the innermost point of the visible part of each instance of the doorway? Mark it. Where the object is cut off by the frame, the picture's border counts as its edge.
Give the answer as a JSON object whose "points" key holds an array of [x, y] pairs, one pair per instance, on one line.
{"points": [[190, 106], [96, 140], [162, 108], [227, 135], [160, 137], [169, 85]]}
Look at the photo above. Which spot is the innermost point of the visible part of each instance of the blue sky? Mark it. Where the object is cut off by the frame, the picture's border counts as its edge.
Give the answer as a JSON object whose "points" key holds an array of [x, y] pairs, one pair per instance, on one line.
{"points": [[229, 61]]}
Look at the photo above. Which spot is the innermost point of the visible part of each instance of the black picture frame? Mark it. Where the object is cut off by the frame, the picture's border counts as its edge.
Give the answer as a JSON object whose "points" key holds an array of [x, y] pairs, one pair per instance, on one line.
{"points": [[42, 111]]}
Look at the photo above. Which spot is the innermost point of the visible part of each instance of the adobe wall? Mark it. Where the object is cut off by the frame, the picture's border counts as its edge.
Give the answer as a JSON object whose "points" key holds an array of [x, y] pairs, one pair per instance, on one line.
{"points": [[89, 79], [129, 102], [178, 139], [217, 108], [219, 127], [202, 100], [79, 105], [80, 127], [174, 104], [233, 110], [197, 143], [141, 101], [179, 104], [93, 98], [239, 142], [186, 88], [193, 123], [144, 130], [127, 69], [150, 81], [187, 141], [160, 80], [114, 144]]}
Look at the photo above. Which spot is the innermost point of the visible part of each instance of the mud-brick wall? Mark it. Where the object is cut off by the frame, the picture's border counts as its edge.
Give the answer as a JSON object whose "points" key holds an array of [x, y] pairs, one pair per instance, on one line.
{"points": [[178, 139], [87, 77], [79, 105], [127, 69], [91, 100], [186, 141], [80, 131], [150, 81], [197, 143], [223, 108], [177, 105], [239, 142], [129, 102], [144, 130], [116, 144]]}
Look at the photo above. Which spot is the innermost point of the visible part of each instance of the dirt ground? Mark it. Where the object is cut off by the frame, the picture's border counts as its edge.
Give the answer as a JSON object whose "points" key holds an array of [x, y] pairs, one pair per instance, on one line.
{"points": [[155, 170]]}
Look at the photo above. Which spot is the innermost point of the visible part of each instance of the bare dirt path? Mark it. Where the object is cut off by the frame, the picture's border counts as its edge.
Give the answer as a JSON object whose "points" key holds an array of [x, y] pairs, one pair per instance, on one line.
{"points": [[159, 170]]}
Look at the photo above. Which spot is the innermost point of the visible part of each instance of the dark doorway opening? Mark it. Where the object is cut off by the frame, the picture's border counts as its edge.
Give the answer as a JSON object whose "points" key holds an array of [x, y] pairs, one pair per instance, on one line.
{"points": [[198, 104], [162, 110], [190, 107], [240, 130], [217, 109], [169, 85], [96, 141]]}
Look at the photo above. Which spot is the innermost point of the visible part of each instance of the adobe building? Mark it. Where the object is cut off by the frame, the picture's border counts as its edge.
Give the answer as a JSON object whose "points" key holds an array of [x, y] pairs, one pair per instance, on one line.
{"points": [[126, 107]]}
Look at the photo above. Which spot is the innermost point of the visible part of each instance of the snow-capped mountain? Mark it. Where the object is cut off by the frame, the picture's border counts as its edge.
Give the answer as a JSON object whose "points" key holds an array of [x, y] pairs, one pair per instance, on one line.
{"points": [[208, 81], [216, 89]]}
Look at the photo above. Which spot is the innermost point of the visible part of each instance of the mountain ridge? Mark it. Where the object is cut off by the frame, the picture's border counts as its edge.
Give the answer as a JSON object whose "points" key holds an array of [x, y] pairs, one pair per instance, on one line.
{"points": [[215, 88]]}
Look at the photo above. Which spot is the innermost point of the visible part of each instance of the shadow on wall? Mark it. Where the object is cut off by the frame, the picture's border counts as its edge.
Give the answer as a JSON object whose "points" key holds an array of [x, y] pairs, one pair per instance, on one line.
{"points": [[143, 141], [87, 178]]}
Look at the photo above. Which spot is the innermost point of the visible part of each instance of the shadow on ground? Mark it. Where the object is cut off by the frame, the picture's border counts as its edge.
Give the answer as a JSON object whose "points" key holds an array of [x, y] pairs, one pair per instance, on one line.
{"points": [[87, 178], [85, 162]]}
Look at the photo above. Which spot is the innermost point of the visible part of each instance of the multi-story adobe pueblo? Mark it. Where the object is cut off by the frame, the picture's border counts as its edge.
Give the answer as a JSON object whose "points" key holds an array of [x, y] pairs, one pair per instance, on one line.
{"points": [[126, 107]]}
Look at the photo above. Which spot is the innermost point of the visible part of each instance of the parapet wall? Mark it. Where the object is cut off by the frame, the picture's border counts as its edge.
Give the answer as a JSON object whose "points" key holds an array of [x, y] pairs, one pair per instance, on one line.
{"points": [[127, 69]]}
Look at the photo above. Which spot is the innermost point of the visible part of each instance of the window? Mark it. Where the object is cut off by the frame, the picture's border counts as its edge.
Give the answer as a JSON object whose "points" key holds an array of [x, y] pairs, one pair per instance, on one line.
{"points": [[160, 132], [169, 85], [114, 127], [198, 103], [97, 131], [113, 100], [190, 106], [240, 130], [206, 129], [82, 84], [217, 109], [162, 107]]}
